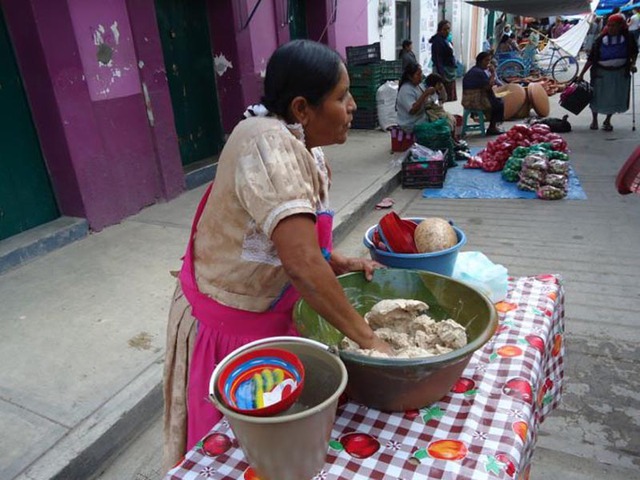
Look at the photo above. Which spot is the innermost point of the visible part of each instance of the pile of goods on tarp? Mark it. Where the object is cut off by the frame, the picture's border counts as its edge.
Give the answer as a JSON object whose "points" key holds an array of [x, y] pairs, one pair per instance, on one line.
{"points": [[539, 169], [495, 156]]}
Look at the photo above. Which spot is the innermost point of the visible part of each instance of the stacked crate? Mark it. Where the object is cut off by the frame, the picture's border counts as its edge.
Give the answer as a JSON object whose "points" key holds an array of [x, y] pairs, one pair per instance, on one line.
{"points": [[366, 73]]}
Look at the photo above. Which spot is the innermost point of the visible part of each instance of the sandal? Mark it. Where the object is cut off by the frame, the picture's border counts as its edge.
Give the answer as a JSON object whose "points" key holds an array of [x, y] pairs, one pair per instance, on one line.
{"points": [[607, 127], [594, 126]]}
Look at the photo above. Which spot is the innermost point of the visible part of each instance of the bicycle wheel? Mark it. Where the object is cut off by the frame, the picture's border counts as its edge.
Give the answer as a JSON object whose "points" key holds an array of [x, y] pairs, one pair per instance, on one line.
{"points": [[565, 69], [509, 70]]}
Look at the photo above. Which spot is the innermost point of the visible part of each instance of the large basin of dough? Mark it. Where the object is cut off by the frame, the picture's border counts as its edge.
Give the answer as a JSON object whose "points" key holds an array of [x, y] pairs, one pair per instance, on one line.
{"points": [[399, 384]]}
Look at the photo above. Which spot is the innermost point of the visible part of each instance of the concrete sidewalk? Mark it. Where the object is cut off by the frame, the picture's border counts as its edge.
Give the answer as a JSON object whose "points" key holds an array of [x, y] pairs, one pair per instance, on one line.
{"points": [[83, 327]]}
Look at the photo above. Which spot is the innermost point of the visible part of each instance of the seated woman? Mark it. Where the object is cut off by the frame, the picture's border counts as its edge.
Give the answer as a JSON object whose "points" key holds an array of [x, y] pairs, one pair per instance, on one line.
{"points": [[416, 103], [507, 44], [477, 92], [433, 105]]}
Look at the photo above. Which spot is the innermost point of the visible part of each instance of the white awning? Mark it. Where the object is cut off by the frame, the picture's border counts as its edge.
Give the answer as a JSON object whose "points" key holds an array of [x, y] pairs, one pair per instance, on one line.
{"points": [[535, 8]]}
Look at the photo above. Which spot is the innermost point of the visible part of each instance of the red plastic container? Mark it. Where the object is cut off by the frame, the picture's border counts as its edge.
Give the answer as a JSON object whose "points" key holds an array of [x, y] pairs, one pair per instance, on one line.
{"points": [[401, 141], [246, 365]]}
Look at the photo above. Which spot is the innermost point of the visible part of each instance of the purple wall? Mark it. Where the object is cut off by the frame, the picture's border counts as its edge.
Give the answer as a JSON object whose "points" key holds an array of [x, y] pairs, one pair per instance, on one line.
{"points": [[91, 116], [350, 27], [40, 92], [247, 49], [146, 38], [223, 25]]}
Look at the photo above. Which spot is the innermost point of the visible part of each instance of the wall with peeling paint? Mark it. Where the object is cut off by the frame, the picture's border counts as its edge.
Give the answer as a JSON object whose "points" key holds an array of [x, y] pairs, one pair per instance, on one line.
{"points": [[106, 48], [88, 106]]}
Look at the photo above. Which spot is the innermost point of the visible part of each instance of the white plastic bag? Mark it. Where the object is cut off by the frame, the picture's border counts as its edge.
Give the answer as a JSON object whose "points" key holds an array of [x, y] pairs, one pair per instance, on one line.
{"points": [[386, 104], [476, 269]]}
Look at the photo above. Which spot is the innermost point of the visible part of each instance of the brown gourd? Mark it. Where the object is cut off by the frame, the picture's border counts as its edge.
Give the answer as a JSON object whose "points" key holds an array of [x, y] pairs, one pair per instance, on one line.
{"points": [[434, 234]]}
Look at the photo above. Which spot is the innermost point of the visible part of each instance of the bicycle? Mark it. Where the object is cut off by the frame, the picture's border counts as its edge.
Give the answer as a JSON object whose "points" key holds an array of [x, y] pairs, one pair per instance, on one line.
{"points": [[563, 68]]}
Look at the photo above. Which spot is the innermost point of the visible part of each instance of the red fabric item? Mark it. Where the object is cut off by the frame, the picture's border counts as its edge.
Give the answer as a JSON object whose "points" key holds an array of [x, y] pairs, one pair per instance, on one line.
{"points": [[628, 179]]}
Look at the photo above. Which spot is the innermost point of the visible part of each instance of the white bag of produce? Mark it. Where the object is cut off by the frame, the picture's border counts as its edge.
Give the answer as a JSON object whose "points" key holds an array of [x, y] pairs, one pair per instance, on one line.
{"points": [[386, 104]]}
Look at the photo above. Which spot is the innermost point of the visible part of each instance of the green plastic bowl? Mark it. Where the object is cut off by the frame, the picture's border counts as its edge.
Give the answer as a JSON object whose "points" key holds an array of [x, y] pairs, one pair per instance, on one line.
{"points": [[404, 384]]}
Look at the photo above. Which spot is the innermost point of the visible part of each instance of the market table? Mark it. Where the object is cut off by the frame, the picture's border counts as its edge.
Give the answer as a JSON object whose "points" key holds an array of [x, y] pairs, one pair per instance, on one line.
{"points": [[486, 427]]}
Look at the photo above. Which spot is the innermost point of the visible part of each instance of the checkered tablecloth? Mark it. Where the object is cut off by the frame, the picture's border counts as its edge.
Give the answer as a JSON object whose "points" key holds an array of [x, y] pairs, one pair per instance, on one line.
{"points": [[485, 428]]}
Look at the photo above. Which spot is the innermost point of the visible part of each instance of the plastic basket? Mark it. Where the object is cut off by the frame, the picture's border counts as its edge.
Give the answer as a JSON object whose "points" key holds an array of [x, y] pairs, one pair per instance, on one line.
{"points": [[365, 75], [424, 173], [391, 70], [365, 119], [363, 54], [365, 97]]}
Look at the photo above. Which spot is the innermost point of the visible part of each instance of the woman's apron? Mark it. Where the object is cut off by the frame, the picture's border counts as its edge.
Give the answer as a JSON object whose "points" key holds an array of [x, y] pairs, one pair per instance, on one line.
{"points": [[222, 329]]}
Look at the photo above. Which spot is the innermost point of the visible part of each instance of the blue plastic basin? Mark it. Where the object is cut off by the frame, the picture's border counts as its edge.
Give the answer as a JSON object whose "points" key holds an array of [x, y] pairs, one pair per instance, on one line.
{"points": [[441, 262]]}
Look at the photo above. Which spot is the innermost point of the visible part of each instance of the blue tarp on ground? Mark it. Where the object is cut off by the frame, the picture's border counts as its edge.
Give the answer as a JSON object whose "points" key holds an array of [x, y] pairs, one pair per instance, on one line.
{"points": [[475, 183]]}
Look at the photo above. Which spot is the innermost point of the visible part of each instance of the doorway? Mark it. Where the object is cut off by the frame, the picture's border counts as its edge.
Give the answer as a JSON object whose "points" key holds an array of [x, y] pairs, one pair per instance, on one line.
{"points": [[186, 45], [403, 22], [26, 194], [297, 12]]}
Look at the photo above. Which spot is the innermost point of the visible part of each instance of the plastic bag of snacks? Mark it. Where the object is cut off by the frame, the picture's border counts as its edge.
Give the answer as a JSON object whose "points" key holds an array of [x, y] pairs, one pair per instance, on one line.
{"points": [[559, 167], [548, 192], [532, 175], [535, 161], [555, 180], [528, 184], [511, 170]]}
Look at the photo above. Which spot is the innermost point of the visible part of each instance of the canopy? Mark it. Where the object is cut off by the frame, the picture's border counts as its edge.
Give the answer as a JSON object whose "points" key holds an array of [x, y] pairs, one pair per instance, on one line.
{"points": [[535, 8], [605, 7], [571, 41]]}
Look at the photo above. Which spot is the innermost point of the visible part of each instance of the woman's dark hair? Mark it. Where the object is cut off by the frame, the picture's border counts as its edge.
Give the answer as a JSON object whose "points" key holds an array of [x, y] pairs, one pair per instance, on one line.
{"points": [[300, 68], [442, 23], [409, 72], [481, 56], [406, 43], [433, 79]]}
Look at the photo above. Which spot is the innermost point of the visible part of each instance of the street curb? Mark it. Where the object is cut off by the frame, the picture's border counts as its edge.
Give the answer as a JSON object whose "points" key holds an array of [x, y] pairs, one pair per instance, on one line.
{"points": [[348, 217], [86, 449], [38, 241], [83, 452]]}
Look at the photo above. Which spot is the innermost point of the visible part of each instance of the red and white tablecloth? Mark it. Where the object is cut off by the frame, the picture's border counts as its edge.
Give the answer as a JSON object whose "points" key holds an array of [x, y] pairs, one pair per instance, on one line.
{"points": [[485, 428]]}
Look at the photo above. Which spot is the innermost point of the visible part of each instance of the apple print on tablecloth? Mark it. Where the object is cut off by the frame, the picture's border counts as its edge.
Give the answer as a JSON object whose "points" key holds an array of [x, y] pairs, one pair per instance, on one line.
{"points": [[535, 341], [501, 462], [557, 345], [519, 388], [464, 385], [544, 397], [451, 450], [215, 444], [506, 351], [358, 445], [504, 307], [520, 428], [250, 474]]}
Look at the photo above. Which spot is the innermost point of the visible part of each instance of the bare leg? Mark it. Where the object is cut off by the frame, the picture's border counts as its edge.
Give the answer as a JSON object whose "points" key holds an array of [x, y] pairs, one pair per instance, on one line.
{"points": [[606, 125], [594, 121]]}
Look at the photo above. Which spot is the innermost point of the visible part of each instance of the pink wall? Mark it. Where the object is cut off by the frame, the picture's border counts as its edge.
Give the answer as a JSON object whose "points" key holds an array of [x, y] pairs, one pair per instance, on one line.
{"points": [[263, 34], [350, 27], [106, 47]]}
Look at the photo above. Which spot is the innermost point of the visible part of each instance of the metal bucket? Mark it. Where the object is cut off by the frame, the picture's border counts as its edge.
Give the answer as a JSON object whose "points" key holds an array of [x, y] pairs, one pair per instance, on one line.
{"points": [[291, 445]]}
